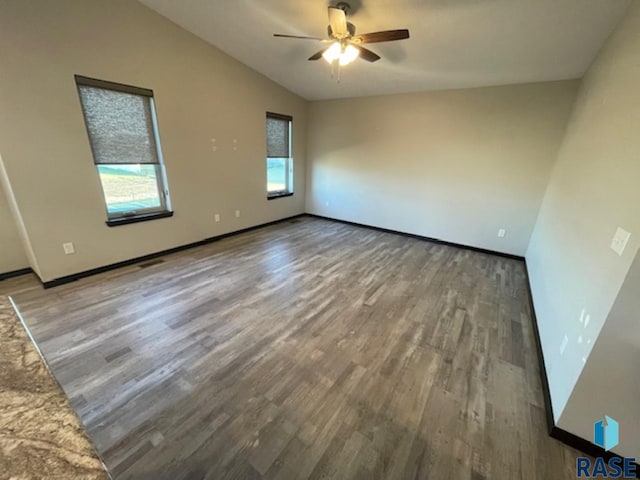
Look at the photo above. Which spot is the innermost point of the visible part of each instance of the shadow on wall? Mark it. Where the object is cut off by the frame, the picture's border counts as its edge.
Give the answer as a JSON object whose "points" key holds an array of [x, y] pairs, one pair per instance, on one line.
{"points": [[617, 349]]}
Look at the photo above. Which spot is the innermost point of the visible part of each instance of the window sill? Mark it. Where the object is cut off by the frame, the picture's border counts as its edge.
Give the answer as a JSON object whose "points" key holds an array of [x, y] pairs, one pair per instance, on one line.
{"points": [[115, 222], [279, 195]]}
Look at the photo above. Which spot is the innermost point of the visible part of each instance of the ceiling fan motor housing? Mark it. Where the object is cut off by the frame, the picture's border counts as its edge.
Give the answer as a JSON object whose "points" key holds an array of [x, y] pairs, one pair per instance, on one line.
{"points": [[350, 27], [344, 6]]}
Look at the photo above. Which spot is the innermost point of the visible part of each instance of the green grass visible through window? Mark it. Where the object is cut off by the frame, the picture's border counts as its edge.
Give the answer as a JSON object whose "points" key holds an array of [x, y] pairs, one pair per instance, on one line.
{"points": [[129, 187], [277, 174]]}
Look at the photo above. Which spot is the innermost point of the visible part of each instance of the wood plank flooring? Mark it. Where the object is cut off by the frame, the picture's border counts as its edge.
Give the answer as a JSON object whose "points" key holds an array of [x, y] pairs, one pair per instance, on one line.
{"points": [[308, 349]]}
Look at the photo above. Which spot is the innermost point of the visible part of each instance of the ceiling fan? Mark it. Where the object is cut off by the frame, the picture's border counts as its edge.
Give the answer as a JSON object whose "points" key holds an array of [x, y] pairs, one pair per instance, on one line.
{"points": [[344, 45]]}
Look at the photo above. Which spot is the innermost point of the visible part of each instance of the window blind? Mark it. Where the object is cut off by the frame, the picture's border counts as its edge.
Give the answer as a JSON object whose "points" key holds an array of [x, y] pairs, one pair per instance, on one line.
{"points": [[120, 125], [278, 143]]}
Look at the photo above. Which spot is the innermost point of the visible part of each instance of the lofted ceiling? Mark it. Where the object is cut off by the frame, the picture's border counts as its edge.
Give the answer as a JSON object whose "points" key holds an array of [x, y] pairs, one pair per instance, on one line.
{"points": [[453, 44]]}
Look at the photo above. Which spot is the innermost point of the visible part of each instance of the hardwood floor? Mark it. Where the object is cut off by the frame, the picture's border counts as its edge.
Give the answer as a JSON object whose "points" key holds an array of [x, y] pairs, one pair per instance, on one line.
{"points": [[308, 349]]}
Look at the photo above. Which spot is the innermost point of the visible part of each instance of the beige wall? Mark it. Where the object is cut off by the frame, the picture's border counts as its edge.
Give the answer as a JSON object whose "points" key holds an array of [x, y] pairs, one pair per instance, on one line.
{"points": [[455, 165], [201, 94], [12, 255], [609, 383], [593, 190]]}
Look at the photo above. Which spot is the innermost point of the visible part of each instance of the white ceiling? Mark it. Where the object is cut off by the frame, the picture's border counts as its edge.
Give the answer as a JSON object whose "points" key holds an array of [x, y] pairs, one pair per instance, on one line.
{"points": [[453, 44]]}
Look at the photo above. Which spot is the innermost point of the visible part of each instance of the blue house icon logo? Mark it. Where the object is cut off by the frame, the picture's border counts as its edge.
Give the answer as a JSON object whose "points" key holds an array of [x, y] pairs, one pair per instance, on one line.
{"points": [[605, 433]]}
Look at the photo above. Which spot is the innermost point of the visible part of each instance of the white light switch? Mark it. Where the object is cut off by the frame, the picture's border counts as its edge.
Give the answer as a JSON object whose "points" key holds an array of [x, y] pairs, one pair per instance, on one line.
{"points": [[216, 217], [68, 248], [620, 240], [502, 232]]}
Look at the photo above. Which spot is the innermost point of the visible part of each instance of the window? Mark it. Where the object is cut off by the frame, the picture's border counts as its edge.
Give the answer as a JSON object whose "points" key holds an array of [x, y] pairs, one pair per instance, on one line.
{"points": [[279, 161], [123, 132]]}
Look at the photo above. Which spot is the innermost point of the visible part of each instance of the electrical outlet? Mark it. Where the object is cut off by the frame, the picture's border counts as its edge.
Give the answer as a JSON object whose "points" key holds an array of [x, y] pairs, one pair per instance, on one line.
{"points": [[237, 213], [563, 345], [502, 232], [216, 217], [620, 240], [69, 249]]}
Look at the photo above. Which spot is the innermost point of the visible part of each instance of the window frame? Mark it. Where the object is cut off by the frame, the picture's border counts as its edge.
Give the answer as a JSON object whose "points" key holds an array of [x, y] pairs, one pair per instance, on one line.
{"points": [[164, 210], [288, 190]]}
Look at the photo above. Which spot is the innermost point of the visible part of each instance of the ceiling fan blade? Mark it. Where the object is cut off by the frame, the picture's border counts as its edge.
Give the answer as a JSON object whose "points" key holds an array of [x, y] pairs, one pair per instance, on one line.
{"points": [[367, 54], [318, 55], [302, 37], [338, 22], [386, 36]]}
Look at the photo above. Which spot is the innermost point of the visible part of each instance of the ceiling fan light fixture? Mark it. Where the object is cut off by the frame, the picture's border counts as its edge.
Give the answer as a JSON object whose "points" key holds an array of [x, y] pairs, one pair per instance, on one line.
{"points": [[344, 54], [349, 55], [333, 53]]}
